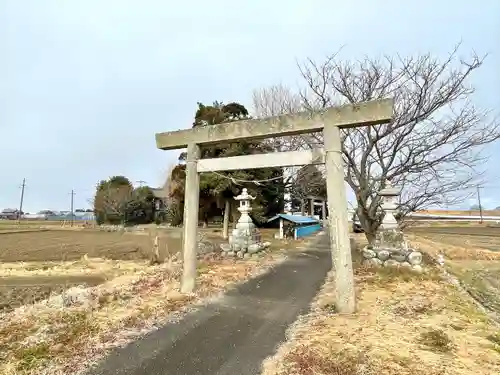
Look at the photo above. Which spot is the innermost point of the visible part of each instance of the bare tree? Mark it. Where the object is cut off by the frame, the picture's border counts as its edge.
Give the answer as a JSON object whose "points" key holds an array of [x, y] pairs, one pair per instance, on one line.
{"points": [[116, 202], [432, 148], [274, 101], [308, 182], [277, 100]]}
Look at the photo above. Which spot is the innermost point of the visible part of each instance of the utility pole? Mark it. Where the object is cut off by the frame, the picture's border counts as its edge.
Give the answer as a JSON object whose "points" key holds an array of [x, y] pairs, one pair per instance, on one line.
{"points": [[21, 202], [141, 182], [480, 207], [72, 207]]}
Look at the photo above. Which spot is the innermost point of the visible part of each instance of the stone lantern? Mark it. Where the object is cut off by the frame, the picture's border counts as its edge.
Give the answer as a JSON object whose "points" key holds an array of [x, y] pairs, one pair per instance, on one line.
{"points": [[389, 196], [245, 223], [245, 238], [390, 248]]}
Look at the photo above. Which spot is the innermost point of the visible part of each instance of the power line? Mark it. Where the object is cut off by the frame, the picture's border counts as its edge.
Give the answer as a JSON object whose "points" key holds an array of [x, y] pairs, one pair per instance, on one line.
{"points": [[479, 202], [23, 186], [72, 207]]}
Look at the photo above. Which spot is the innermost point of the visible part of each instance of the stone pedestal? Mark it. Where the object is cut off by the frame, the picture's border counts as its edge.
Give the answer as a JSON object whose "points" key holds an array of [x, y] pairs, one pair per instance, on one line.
{"points": [[245, 238], [390, 248]]}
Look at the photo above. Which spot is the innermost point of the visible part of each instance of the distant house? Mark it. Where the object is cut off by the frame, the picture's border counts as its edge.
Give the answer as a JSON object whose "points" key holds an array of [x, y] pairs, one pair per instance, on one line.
{"points": [[10, 214], [161, 198], [46, 213], [295, 225], [161, 203]]}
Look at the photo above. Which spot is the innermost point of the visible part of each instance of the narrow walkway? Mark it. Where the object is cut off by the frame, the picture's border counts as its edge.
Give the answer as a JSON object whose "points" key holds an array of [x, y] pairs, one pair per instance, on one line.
{"points": [[234, 335]]}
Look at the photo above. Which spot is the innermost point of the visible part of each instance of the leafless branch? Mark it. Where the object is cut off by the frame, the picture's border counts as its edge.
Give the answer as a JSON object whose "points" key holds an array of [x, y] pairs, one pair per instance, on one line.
{"points": [[432, 148]]}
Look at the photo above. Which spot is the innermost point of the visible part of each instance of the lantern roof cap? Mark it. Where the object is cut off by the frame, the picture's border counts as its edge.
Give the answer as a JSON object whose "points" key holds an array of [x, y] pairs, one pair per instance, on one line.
{"points": [[389, 190], [244, 196]]}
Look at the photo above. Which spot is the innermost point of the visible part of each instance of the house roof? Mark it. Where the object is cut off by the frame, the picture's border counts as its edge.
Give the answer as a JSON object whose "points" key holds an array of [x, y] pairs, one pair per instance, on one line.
{"points": [[296, 219], [159, 193]]}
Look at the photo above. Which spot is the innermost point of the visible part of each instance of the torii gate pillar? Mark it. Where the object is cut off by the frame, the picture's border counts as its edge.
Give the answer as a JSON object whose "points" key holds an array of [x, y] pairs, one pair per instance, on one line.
{"points": [[338, 220]]}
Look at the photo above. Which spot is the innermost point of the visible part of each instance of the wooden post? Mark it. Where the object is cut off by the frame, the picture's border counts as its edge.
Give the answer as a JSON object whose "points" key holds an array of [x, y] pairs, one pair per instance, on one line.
{"points": [[281, 229], [303, 207], [311, 207], [338, 222], [191, 206], [225, 230]]}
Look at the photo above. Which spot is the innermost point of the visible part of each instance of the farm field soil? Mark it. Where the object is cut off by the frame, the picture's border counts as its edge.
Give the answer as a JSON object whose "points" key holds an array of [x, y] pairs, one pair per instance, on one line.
{"points": [[57, 245], [66, 245]]}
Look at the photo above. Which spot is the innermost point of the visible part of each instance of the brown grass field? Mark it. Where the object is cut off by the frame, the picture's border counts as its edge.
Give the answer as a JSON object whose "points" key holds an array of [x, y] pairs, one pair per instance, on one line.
{"points": [[42, 332], [407, 323], [31, 252]]}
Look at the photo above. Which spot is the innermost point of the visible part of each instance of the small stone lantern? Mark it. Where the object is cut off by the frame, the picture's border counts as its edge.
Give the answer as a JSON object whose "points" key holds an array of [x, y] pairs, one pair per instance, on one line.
{"points": [[245, 222], [390, 248], [389, 196], [245, 238]]}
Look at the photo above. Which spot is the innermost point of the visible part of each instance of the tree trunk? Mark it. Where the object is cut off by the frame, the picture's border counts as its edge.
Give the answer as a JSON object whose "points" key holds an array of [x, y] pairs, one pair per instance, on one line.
{"points": [[227, 208], [234, 215], [370, 226], [370, 237], [205, 219]]}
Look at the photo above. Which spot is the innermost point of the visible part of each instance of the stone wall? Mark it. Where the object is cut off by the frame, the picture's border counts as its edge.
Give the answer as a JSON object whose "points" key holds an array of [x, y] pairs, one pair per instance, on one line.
{"points": [[388, 257], [390, 249]]}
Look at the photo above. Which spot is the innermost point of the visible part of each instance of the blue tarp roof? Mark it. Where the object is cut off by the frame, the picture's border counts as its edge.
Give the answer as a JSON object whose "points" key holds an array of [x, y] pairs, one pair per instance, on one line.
{"points": [[296, 219]]}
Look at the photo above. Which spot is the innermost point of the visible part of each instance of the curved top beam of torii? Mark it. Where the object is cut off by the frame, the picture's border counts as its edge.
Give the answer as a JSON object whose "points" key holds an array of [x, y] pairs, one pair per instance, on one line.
{"points": [[347, 116]]}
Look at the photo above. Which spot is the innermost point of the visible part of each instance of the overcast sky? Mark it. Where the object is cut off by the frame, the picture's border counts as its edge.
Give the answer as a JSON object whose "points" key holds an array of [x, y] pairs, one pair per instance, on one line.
{"points": [[85, 85]]}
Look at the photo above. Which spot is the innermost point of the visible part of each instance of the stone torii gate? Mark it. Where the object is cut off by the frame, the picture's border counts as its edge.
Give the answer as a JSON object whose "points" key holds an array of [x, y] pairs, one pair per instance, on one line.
{"points": [[330, 121], [311, 200]]}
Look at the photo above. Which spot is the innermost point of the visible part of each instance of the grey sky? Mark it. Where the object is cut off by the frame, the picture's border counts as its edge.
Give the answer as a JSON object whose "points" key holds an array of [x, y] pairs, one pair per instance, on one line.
{"points": [[84, 85]]}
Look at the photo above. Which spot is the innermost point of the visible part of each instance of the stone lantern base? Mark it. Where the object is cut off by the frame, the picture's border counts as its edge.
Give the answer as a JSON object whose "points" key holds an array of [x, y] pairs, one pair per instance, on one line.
{"points": [[391, 250], [244, 242]]}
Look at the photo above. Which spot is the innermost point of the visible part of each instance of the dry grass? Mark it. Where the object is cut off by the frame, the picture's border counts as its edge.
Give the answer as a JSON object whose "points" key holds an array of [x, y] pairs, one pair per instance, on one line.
{"points": [[461, 212], [477, 270], [405, 324], [53, 337], [453, 252], [409, 223]]}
